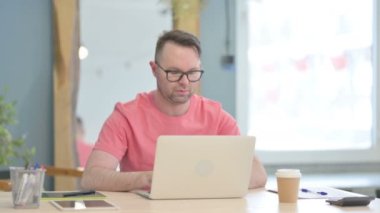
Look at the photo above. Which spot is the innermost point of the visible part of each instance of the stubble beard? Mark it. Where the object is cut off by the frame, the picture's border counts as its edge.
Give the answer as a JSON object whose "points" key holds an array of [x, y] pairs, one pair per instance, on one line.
{"points": [[173, 98], [179, 99]]}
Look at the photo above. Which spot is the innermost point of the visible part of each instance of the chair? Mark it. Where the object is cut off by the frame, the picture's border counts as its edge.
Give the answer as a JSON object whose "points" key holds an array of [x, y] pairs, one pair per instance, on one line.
{"points": [[60, 171], [5, 185]]}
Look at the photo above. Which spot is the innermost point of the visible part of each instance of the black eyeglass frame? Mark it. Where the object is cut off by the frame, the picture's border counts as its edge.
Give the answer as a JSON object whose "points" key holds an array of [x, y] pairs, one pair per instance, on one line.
{"points": [[182, 74]]}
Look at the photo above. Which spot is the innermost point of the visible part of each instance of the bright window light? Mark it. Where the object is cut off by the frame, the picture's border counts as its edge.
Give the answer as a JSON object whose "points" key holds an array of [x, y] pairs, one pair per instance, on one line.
{"points": [[311, 74]]}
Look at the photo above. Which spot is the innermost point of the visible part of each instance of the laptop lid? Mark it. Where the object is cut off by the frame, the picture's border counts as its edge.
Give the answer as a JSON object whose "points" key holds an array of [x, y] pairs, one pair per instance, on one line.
{"points": [[202, 167]]}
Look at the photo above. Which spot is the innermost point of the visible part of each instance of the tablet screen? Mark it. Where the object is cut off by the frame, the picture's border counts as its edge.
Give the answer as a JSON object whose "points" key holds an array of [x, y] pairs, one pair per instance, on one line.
{"points": [[83, 204]]}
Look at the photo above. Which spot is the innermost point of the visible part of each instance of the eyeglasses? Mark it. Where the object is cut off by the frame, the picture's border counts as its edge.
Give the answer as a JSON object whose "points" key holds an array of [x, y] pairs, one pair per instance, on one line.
{"points": [[176, 75]]}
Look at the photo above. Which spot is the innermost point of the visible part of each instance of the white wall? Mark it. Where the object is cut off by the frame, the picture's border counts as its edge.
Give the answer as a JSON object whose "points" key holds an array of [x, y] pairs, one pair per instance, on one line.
{"points": [[120, 36]]}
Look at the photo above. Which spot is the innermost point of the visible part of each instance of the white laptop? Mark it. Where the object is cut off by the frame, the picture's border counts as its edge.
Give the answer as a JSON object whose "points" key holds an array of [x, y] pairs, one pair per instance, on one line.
{"points": [[201, 167]]}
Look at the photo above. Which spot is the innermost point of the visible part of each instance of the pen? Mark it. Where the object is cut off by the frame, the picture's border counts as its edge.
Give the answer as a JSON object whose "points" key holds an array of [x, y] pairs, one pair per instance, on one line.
{"points": [[313, 192], [21, 188], [36, 166], [72, 194], [27, 195]]}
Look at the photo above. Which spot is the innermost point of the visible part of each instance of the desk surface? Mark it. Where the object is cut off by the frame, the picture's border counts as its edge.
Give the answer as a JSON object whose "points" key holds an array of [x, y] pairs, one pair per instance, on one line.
{"points": [[258, 200]]}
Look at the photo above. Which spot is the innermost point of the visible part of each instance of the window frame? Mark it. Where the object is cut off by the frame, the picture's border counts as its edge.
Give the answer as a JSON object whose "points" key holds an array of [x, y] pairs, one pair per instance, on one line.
{"points": [[305, 157]]}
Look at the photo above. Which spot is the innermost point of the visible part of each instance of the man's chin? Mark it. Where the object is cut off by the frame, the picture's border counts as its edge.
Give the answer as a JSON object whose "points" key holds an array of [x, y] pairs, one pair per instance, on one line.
{"points": [[181, 99]]}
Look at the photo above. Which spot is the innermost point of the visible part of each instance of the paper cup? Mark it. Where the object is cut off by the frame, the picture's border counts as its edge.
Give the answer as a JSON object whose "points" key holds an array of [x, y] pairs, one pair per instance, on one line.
{"points": [[288, 181]]}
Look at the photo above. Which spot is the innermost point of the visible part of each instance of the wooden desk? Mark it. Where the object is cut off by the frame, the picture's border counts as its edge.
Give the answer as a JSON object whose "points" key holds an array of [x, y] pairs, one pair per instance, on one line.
{"points": [[256, 201]]}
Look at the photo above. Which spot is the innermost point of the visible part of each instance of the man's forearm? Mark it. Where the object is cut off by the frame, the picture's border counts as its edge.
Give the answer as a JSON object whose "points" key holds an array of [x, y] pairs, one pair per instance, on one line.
{"points": [[98, 178]]}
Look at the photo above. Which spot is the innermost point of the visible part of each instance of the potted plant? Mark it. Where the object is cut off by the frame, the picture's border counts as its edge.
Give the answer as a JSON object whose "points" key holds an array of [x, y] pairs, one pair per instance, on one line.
{"points": [[11, 148], [26, 181]]}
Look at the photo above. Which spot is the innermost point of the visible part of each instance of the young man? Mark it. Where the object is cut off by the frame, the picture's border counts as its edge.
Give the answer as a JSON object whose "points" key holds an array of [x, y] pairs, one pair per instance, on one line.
{"points": [[128, 136]]}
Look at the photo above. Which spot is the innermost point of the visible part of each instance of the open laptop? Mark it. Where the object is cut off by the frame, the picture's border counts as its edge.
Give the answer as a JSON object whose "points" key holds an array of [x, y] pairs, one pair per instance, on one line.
{"points": [[201, 167]]}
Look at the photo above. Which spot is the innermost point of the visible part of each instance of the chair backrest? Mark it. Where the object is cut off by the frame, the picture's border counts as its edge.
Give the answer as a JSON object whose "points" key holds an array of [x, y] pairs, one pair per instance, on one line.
{"points": [[5, 184], [59, 171]]}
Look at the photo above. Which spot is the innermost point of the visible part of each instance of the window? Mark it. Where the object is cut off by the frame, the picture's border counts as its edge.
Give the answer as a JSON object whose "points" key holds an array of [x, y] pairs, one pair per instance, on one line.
{"points": [[310, 78]]}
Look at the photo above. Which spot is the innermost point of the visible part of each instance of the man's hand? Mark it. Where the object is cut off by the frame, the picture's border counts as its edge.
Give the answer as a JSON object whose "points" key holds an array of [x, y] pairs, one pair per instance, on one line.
{"points": [[146, 180]]}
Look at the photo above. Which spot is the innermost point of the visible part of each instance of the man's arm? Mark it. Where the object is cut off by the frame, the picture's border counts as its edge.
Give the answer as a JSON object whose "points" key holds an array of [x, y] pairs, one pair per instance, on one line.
{"points": [[258, 176], [100, 174]]}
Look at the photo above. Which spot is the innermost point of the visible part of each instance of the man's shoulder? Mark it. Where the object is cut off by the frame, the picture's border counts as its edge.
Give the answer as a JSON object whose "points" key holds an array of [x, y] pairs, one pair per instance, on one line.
{"points": [[133, 107], [140, 99]]}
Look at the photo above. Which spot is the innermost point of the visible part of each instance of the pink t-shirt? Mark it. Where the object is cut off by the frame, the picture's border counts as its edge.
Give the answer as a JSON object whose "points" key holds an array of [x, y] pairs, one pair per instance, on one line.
{"points": [[131, 131]]}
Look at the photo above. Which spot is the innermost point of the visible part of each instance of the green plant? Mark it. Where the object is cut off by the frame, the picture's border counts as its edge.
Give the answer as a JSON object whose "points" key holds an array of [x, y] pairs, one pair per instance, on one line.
{"points": [[11, 148]]}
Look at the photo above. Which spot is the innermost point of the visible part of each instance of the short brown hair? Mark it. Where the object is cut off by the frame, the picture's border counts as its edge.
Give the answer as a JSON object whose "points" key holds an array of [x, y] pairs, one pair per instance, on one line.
{"points": [[178, 37]]}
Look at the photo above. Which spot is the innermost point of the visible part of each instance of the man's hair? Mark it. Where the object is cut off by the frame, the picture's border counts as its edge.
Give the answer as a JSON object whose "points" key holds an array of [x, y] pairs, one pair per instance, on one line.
{"points": [[179, 37]]}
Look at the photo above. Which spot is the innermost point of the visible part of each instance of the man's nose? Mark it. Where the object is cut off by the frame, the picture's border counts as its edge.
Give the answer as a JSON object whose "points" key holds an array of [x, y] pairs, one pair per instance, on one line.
{"points": [[184, 79]]}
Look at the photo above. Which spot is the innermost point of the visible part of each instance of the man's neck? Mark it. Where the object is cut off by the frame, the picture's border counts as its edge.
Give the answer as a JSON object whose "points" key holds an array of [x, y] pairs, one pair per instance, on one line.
{"points": [[169, 108]]}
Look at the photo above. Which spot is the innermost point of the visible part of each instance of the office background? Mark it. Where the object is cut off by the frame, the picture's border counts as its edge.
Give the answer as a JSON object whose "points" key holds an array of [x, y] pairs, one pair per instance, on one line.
{"points": [[26, 40], [26, 64]]}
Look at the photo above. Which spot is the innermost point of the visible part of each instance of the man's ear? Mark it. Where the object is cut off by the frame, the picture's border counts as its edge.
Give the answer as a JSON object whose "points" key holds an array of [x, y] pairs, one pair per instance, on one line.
{"points": [[153, 67]]}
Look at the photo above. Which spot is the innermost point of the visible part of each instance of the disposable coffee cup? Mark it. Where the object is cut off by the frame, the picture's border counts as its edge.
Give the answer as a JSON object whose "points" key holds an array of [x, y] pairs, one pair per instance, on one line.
{"points": [[288, 181], [27, 187]]}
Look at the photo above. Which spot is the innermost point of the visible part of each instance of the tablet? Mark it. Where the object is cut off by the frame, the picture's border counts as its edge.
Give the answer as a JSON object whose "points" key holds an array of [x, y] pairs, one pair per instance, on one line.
{"points": [[83, 205]]}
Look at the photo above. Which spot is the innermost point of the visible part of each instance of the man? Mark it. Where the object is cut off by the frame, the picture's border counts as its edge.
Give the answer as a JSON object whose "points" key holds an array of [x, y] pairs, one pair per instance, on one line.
{"points": [[129, 135]]}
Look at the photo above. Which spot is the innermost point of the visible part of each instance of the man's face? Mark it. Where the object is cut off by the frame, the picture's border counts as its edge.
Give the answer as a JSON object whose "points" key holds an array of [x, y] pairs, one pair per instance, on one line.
{"points": [[176, 58]]}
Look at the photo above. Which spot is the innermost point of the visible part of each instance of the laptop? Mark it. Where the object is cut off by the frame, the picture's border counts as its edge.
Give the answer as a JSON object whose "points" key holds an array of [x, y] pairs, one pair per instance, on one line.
{"points": [[188, 167]]}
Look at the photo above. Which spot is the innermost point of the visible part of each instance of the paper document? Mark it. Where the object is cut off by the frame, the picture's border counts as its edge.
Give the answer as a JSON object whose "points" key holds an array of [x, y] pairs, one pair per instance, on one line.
{"points": [[320, 193]]}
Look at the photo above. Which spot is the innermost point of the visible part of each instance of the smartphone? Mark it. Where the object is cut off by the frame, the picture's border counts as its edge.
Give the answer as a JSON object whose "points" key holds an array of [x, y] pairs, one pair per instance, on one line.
{"points": [[351, 201]]}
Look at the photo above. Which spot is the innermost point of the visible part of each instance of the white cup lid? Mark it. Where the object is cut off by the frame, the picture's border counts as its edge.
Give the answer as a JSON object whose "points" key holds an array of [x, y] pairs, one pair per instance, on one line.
{"points": [[288, 173]]}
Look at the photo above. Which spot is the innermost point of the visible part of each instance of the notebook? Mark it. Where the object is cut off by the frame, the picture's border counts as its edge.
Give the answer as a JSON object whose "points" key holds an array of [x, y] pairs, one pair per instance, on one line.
{"points": [[72, 195], [201, 167]]}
